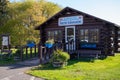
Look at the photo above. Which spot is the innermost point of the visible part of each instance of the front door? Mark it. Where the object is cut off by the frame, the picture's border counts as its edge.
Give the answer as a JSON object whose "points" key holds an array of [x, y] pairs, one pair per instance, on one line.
{"points": [[70, 37]]}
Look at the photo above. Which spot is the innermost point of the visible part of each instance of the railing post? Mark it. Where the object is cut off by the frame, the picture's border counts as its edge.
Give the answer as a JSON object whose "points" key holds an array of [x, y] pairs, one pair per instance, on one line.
{"points": [[40, 53], [73, 45], [26, 52], [22, 56], [38, 50], [30, 52], [35, 50], [68, 46]]}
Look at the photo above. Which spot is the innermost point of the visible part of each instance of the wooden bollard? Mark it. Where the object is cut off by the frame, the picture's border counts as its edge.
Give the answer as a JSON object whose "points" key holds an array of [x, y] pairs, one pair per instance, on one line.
{"points": [[35, 51], [22, 57], [26, 52], [40, 53], [31, 53]]}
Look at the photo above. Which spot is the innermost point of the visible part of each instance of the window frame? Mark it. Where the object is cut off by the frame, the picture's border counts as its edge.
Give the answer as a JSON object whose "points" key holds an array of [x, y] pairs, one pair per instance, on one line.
{"points": [[54, 34], [89, 35]]}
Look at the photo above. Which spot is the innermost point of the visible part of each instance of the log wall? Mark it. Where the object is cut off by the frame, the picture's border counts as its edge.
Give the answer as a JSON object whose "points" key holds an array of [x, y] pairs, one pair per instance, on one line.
{"points": [[105, 31]]}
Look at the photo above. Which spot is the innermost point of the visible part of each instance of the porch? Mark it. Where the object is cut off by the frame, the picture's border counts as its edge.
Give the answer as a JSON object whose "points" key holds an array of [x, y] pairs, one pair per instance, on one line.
{"points": [[76, 53]]}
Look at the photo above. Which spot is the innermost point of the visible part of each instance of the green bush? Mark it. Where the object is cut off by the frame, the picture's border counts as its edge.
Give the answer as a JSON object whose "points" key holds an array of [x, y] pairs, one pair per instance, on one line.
{"points": [[50, 41], [60, 56], [30, 41], [18, 52]]}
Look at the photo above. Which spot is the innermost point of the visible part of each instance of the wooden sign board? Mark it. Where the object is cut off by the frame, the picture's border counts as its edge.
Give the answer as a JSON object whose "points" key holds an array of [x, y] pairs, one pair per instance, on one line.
{"points": [[71, 20]]}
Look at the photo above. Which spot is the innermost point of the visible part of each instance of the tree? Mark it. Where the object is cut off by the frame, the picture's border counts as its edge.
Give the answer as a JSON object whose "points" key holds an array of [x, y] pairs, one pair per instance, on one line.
{"points": [[49, 9], [3, 11], [24, 16]]}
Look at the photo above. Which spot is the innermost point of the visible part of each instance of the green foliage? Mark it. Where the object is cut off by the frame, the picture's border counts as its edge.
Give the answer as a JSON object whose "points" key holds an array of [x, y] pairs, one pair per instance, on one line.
{"points": [[22, 17], [3, 11], [60, 56], [17, 53], [30, 41], [49, 9], [50, 41], [7, 61], [107, 69]]}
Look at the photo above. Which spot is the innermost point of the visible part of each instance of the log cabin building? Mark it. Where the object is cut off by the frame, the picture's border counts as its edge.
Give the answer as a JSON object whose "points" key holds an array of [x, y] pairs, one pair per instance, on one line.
{"points": [[86, 33]]}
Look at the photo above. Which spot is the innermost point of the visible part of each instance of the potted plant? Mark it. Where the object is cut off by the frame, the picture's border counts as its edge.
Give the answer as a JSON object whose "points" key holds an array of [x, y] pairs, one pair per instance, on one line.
{"points": [[49, 43], [59, 58]]}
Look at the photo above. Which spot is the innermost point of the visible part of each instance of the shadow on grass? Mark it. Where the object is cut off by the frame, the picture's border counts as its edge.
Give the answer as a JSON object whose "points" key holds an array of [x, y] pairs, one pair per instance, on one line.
{"points": [[103, 57], [49, 66], [6, 62]]}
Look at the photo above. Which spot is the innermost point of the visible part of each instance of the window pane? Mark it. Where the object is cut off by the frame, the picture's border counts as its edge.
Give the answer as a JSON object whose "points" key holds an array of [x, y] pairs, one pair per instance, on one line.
{"points": [[56, 35], [81, 35], [94, 35], [59, 35], [89, 35], [70, 32], [50, 35], [81, 32], [84, 35]]}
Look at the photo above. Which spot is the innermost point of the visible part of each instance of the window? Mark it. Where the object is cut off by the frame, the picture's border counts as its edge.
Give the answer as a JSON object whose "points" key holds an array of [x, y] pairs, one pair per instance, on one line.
{"points": [[84, 35], [89, 35], [93, 35], [50, 35], [55, 34]]}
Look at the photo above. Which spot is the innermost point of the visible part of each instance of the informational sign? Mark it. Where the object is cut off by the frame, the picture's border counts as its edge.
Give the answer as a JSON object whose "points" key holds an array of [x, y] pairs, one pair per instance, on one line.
{"points": [[72, 20], [5, 40]]}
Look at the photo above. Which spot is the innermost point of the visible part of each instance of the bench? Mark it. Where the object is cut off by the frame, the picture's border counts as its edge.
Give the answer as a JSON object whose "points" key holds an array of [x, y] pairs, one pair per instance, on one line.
{"points": [[90, 54]]}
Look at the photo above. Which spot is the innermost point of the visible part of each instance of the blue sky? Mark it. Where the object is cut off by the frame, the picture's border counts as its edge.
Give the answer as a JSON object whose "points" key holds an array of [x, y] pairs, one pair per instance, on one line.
{"points": [[105, 9]]}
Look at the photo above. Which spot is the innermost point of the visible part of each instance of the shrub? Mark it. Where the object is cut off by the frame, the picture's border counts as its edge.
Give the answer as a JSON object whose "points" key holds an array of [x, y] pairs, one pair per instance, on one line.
{"points": [[18, 52], [30, 41], [50, 41], [60, 56]]}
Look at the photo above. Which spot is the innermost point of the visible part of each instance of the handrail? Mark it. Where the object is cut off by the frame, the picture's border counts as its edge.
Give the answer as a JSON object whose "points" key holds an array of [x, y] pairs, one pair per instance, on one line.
{"points": [[58, 45], [70, 46]]}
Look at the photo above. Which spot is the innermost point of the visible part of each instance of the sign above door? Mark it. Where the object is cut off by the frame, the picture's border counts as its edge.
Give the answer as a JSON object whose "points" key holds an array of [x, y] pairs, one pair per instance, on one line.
{"points": [[71, 20]]}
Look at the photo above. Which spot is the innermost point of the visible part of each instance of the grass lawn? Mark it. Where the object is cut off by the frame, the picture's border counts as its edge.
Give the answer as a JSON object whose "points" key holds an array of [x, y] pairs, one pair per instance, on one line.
{"points": [[107, 69], [7, 61]]}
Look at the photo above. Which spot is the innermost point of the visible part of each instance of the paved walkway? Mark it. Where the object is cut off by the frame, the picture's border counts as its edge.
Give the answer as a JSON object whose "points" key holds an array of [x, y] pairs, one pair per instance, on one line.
{"points": [[17, 71]]}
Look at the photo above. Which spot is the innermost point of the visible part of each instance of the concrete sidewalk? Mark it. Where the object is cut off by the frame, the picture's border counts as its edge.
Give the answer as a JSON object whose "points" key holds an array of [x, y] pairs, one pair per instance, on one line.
{"points": [[31, 62], [17, 71]]}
